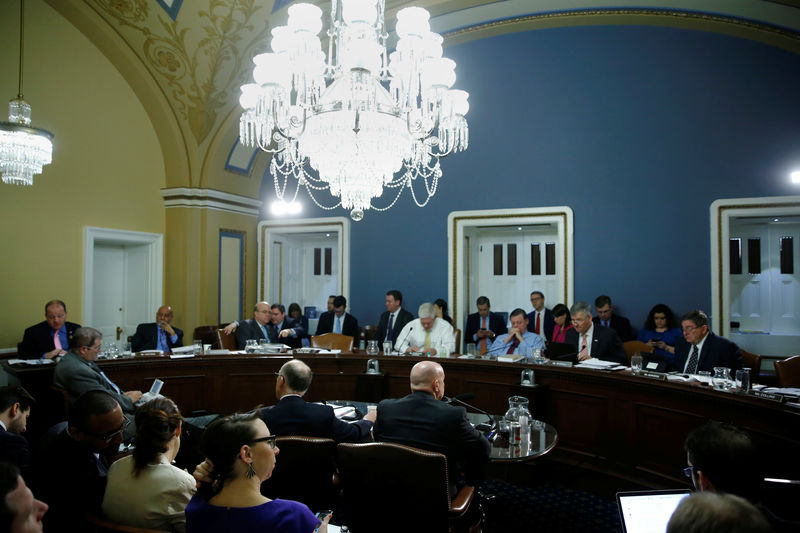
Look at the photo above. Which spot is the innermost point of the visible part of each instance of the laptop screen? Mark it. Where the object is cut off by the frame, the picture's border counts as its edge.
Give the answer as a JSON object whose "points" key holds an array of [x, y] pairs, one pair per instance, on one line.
{"points": [[648, 511]]}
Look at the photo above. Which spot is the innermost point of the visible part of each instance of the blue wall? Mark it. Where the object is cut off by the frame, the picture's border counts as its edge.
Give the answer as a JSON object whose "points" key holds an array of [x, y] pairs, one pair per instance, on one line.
{"points": [[637, 128]]}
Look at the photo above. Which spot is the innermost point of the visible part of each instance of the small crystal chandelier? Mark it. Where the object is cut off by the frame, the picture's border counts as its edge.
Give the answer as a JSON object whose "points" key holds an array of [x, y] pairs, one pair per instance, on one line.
{"points": [[363, 120], [23, 148]]}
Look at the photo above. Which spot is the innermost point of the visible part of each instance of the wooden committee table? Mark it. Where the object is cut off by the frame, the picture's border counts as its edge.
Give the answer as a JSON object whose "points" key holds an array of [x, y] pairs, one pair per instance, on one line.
{"points": [[627, 425]]}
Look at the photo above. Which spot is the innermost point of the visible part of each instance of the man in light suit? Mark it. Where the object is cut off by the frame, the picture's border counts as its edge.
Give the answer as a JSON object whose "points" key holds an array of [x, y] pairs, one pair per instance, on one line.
{"points": [[699, 349], [593, 340], [292, 415], [39, 340], [540, 320], [15, 408], [606, 317], [158, 335], [347, 323], [394, 319], [482, 327]]}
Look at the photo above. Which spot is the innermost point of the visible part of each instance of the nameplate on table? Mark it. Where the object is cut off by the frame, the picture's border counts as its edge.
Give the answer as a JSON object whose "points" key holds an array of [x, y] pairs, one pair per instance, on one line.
{"points": [[778, 398], [660, 376], [567, 364]]}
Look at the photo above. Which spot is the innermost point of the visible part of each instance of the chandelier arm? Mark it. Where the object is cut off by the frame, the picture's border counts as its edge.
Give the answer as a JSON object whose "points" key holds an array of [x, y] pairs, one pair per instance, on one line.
{"points": [[21, 43], [397, 196], [280, 130]]}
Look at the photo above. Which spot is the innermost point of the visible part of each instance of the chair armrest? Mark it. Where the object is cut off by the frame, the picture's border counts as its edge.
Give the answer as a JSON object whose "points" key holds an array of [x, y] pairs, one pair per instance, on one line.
{"points": [[461, 502]]}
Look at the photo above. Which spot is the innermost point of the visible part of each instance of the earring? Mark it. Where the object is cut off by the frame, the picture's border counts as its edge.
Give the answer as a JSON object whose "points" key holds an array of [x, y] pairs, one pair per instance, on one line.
{"points": [[250, 472]]}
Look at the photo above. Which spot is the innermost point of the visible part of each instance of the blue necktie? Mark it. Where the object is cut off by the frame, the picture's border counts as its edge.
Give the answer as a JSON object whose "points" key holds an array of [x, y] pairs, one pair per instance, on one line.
{"points": [[338, 328], [389, 328]]}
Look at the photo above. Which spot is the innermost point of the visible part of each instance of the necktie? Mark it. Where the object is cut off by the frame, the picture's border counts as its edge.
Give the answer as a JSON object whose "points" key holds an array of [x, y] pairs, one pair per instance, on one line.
{"points": [[389, 327], [513, 346], [691, 368], [96, 368], [162, 337], [584, 349], [427, 339], [483, 342], [338, 328], [605, 323], [56, 340], [538, 315]]}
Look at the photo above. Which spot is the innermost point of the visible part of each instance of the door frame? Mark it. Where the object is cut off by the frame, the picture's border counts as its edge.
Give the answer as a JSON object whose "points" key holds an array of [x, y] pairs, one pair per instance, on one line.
{"points": [[93, 236], [339, 225], [457, 221], [721, 213]]}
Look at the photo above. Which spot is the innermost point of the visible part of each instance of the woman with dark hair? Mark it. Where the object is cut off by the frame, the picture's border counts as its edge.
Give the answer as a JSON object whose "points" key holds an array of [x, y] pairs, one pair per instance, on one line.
{"points": [[144, 489], [296, 312], [563, 322], [243, 454], [661, 331], [440, 306]]}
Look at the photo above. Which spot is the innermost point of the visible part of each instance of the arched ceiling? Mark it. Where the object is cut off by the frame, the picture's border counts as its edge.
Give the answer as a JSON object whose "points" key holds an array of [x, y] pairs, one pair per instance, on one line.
{"points": [[186, 59]]}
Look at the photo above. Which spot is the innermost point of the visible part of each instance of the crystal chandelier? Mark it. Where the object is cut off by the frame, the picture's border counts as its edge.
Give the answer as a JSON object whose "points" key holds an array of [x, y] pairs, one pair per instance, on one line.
{"points": [[363, 120], [23, 148]]}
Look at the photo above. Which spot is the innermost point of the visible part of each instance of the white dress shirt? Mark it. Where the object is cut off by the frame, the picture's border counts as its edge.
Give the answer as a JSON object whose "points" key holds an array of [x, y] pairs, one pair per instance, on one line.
{"points": [[413, 334]]}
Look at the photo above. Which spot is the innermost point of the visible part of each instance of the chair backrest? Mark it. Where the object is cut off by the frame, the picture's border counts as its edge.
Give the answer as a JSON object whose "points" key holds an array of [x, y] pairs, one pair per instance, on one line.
{"points": [[101, 525], [383, 482], [305, 471], [788, 372], [457, 335], [226, 342], [370, 333], [333, 341], [753, 362], [633, 347], [207, 335], [61, 403]]}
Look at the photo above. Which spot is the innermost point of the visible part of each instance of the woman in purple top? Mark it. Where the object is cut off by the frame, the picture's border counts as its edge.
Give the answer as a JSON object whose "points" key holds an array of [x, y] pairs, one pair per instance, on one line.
{"points": [[243, 454]]}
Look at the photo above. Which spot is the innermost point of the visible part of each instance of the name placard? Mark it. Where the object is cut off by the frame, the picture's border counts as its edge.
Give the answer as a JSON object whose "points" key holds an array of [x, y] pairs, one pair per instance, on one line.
{"points": [[567, 364], [660, 376], [779, 398]]}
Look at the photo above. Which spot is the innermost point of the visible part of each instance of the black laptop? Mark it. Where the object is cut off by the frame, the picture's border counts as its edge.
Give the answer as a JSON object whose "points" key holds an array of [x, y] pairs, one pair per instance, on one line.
{"points": [[561, 351], [648, 511]]}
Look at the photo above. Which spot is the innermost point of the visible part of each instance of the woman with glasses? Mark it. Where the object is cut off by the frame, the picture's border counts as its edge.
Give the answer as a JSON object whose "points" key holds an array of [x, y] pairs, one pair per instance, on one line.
{"points": [[144, 489], [661, 331], [243, 454]]}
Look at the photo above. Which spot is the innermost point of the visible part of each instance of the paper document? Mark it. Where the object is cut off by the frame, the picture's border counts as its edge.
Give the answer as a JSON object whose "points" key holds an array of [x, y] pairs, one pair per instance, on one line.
{"points": [[597, 363], [346, 410], [31, 361]]}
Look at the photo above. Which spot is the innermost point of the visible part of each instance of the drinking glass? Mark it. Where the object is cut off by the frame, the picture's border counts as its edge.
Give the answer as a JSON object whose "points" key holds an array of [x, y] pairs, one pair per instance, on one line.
{"points": [[250, 346], [387, 348], [721, 378], [636, 364], [743, 380], [197, 347], [262, 345], [471, 348]]}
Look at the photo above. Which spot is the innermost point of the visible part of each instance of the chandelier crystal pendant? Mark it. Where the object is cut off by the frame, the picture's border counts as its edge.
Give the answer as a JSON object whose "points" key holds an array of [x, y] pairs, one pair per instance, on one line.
{"points": [[24, 150], [364, 121]]}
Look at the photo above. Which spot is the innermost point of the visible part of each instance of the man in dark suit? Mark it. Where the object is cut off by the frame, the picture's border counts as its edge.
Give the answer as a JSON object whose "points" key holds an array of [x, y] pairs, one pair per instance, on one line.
{"points": [[482, 327], [393, 319], [540, 320], [51, 337], [258, 327], [422, 420], [15, 408], [292, 415], [606, 317], [593, 340], [158, 335], [338, 319], [285, 329], [699, 349]]}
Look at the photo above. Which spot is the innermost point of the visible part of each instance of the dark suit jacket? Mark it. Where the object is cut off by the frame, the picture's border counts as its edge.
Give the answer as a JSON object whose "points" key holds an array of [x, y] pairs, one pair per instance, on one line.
{"points": [[621, 325], [14, 449], [38, 339], [605, 344], [547, 327], [327, 321], [422, 421], [146, 338], [292, 415], [496, 324], [249, 329], [717, 351], [403, 318]]}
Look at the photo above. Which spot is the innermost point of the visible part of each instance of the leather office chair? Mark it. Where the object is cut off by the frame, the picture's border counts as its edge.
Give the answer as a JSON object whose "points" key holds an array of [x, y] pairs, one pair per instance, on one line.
{"points": [[226, 342], [633, 347], [207, 335], [457, 335], [333, 341], [305, 472], [101, 525], [392, 487], [370, 333], [753, 362], [788, 372]]}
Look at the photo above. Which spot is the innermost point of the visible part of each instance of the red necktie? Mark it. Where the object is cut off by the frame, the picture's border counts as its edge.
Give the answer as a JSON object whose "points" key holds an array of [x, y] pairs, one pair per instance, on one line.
{"points": [[538, 315], [513, 346], [483, 340]]}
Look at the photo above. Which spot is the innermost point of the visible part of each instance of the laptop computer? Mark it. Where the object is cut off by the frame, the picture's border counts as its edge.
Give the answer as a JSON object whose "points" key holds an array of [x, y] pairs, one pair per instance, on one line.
{"points": [[561, 351], [648, 511]]}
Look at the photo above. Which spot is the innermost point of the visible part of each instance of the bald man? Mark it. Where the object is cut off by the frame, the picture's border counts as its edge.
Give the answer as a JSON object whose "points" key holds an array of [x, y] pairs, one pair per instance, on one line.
{"points": [[422, 420], [158, 335]]}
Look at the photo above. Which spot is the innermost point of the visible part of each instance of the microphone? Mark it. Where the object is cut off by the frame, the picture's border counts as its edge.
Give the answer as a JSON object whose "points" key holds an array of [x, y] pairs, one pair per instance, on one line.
{"points": [[483, 427], [410, 329]]}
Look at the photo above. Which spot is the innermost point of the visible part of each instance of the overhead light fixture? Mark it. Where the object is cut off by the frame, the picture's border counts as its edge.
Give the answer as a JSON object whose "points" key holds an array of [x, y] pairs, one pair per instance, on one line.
{"points": [[362, 122], [24, 150], [795, 176]]}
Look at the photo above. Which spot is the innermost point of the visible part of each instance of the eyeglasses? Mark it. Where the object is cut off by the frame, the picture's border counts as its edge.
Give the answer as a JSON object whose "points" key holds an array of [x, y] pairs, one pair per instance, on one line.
{"points": [[108, 437], [691, 329], [688, 471], [269, 440], [94, 348], [279, 375]]}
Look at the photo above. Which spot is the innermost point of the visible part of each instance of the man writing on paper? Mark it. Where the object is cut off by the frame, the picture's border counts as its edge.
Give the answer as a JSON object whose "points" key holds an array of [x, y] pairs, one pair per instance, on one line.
{"points": [[427, 334], [519, 340], [51, 337], [593, 340]]}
